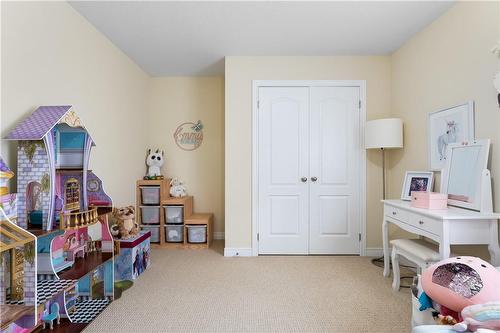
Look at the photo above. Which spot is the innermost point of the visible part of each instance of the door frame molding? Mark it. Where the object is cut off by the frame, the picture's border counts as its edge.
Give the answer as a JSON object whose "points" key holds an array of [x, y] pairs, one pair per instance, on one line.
{"points": [[256, 84]]}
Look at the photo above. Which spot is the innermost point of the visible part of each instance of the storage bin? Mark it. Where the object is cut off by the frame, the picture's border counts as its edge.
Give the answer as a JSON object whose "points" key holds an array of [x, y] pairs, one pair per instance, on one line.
{"points": [[196, 233], [150, 214], [418, 317], [174, 233], [150, 195], [155, 233], [429, 200], [174, 214]]}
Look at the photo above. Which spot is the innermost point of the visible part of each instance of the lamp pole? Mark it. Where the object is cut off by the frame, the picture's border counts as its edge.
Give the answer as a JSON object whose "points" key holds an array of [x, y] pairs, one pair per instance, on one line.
{"points": [[383, 173]]}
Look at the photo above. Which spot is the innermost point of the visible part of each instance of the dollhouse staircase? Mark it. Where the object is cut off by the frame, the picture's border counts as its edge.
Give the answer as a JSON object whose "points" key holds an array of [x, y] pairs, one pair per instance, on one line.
{"points": [[162, 224]]}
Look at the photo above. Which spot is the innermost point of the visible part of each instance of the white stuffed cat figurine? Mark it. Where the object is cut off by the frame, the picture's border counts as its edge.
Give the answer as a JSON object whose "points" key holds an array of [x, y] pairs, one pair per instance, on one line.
{"points": [[177, 188], [154, 161]]}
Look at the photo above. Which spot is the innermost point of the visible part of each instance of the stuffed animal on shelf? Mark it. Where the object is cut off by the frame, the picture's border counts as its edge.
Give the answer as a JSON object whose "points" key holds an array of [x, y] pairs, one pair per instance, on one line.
{"points": [[177, 188], [154, 161], [456, 283], [125, 220]]}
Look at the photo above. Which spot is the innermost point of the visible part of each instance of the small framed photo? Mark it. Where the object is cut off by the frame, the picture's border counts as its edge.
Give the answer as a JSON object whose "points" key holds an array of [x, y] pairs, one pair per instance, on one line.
{"points": [[417, 181]]}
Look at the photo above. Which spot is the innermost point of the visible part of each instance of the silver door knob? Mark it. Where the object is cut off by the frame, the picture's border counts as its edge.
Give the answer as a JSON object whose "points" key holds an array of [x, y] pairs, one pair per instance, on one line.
{"points": [[303, 179], [314, 179]]}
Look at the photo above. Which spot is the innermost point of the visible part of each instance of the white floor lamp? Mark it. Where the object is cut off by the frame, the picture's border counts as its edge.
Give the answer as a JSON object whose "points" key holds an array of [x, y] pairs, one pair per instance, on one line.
{"points": [[384, 134]]}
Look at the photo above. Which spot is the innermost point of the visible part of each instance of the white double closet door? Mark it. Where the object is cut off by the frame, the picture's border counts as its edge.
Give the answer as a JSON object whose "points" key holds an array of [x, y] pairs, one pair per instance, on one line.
{"points": [[308, 170]]}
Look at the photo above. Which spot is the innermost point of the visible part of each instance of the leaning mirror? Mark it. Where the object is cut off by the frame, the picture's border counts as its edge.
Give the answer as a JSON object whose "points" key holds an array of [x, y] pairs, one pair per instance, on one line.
{"points": [[462, 177]]}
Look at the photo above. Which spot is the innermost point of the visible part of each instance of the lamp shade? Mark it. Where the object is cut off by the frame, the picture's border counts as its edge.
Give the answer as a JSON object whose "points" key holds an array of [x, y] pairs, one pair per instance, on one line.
{"points": [[384, 133]]}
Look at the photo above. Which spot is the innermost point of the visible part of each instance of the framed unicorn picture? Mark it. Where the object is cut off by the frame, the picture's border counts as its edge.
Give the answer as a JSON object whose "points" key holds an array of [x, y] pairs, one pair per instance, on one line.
{"points": [[450, 125]]}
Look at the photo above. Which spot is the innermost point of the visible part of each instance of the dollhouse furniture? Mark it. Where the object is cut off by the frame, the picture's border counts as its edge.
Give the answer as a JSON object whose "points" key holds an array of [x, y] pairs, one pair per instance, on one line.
{"points": [[52, 315], [468, 220], [76, 251], [417, 251]]}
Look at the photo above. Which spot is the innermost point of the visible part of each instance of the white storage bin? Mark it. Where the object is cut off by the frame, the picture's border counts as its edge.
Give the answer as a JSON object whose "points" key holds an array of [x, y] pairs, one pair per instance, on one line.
{"points": [[174, 233], [150, 195], [155, 233], [174, 214], [196, 233], [150, 214], [418, 317]]}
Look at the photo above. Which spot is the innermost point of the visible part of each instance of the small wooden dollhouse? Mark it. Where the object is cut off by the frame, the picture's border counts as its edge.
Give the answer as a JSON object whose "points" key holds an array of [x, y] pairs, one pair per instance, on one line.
{"points": [[62, 216]]}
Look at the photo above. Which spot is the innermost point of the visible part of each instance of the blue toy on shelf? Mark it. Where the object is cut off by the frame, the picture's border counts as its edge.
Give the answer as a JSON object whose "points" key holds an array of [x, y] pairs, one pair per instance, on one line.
{"points": [[52, 315]]}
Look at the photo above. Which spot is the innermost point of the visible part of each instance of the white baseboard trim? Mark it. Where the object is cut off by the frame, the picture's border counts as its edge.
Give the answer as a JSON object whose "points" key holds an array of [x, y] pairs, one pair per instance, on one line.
{"points": [[374, 252], [218, 235], [237, 252]]}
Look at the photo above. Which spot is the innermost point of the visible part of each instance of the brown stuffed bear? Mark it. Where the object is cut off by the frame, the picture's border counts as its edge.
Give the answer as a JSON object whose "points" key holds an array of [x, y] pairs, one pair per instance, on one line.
{"points": [[125, 222]]}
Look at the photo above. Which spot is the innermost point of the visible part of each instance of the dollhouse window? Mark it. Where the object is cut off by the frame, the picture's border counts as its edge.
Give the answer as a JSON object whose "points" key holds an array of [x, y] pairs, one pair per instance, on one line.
{"points": [[69, 145], [72, 195], [34, 204]]}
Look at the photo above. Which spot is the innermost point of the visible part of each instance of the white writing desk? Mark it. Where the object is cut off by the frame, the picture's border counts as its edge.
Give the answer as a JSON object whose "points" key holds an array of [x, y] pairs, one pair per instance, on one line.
{"points": [[454, 226]]}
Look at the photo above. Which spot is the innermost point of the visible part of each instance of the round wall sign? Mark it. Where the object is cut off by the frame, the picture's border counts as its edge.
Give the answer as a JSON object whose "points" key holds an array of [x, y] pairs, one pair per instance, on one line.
{"points": [[189, 136]]}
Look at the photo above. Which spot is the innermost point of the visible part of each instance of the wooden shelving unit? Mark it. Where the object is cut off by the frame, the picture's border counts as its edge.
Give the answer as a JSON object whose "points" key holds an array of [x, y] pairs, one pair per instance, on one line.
{"points": [[200, 219], [189, 217], [164, 185]]}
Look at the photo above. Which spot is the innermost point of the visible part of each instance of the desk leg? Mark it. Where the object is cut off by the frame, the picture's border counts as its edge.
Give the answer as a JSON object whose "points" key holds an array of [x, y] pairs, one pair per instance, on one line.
{"points": [[444, 244], [385, 239], [493, 246]]}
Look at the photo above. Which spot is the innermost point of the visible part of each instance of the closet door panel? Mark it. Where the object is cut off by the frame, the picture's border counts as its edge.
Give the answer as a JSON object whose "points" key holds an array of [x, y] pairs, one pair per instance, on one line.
{"points": [[283, 161], [334, 165]]}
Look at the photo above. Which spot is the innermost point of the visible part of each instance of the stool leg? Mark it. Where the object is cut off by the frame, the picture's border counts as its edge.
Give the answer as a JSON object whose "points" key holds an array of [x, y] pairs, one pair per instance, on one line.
{"points": [[395, 270]]}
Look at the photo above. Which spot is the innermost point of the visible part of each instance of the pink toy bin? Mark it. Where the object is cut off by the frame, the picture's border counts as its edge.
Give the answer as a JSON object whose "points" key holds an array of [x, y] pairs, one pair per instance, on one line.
{"points": [[429, 200]]}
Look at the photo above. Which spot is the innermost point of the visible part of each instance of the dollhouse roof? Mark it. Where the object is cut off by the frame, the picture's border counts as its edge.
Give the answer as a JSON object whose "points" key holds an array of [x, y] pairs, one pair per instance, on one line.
{"points": [[39, 123], [11, 235]]}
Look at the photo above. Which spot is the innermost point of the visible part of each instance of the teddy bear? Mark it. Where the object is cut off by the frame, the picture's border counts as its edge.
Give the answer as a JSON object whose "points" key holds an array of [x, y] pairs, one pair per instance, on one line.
{"points": [[177, 188], [125, 226]]}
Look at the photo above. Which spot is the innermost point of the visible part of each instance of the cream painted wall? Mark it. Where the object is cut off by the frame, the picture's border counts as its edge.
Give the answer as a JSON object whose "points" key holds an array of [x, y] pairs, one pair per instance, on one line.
{"points": [[52, 56], [447, 63], [240, 71], [173, 101], [66, 60]]}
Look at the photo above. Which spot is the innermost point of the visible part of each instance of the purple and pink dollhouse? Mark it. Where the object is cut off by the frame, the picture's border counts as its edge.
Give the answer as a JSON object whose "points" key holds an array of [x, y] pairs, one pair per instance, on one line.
{"points": [[52, 175], [57, 236]]}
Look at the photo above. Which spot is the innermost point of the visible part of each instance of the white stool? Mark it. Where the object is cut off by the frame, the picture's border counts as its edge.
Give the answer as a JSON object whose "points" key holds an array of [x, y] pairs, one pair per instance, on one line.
{"points": [[418, 251]]}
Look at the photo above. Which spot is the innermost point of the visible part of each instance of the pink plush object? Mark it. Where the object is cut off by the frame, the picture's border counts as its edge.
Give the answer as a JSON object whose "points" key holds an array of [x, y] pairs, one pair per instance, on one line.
{"points": [[429, 200], [480, 316], [461, 281]]}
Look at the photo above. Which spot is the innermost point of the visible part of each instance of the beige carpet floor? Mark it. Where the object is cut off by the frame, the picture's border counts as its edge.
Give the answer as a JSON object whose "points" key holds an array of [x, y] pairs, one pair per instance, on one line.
{"points": [[202, 291]]}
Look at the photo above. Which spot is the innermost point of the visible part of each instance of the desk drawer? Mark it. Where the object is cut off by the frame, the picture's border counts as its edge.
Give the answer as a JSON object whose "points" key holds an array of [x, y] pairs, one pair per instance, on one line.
{"points": [[426, 223], [396, 213]]}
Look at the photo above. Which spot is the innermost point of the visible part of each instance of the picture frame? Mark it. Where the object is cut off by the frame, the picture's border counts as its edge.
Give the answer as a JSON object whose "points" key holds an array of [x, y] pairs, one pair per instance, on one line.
{"points": [[417, 181], [451, 125]]}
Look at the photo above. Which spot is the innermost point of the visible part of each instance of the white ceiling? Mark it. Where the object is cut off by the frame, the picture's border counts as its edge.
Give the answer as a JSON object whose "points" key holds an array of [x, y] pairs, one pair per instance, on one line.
{"points": [[192, 38]]}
